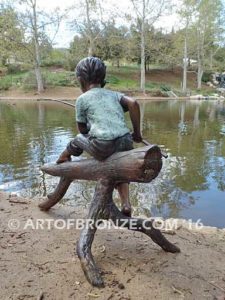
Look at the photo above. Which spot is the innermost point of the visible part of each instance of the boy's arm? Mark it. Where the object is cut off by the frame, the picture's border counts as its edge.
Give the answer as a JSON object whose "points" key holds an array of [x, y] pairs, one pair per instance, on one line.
{"points": [[132, 106], [83, 127]]}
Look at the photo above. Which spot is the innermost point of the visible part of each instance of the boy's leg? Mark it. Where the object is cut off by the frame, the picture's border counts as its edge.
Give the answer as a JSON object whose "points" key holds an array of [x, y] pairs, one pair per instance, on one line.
{"points": [[124, 143], [123, 189], [80, 143], [96, 148], [75, 147]]}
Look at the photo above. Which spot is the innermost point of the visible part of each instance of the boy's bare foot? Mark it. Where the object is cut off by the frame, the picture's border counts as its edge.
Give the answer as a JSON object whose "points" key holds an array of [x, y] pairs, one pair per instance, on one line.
{"points": [[64, 156], [126, 210]]}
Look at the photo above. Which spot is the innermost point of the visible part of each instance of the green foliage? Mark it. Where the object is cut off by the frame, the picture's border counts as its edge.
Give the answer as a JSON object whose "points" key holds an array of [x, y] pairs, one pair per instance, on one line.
{"points": [[3, 71], [11, 34], [64, 78], [50, 78], [219, 58], [29, 81], [165, 87], [207, 76], [78, 50], [56, 58], [5, 83], [12, 80], [13, 68], [112, 79], [71, 63]]}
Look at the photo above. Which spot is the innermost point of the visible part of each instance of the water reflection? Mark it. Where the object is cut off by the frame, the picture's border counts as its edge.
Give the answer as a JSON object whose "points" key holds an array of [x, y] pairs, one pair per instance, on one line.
{"points": [[192, 181]]}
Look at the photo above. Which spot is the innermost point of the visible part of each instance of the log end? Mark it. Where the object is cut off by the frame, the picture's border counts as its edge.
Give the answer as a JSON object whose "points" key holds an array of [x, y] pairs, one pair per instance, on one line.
{"points": [[152, 163], [47, 167]]}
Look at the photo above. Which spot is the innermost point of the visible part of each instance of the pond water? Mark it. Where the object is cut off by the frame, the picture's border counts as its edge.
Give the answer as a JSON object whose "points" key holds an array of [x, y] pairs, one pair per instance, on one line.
{"points": [[191, 184]]}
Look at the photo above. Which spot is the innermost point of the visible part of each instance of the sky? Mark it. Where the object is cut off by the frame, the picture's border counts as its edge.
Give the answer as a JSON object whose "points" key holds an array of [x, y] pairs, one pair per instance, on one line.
{"points": [[65, 34]]}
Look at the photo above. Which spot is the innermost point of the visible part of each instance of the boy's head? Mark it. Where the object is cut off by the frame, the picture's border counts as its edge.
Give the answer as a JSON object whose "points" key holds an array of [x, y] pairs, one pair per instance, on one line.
{"points": [[90, 70]]}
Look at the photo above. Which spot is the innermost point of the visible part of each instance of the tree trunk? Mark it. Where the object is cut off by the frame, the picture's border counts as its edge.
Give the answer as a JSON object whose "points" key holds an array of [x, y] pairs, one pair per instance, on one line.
{"points": [[40, 85], [90, 33], [143, 48], [118, 62], [184, 86], [91, 47], [211, 60], [200, 55], [140, 165], [199, 75]]}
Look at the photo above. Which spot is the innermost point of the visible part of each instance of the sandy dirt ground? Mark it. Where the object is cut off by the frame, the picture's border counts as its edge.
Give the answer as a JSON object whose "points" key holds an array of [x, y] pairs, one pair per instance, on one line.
{"points": [[67, 93], [42, 263], [62, 93]]}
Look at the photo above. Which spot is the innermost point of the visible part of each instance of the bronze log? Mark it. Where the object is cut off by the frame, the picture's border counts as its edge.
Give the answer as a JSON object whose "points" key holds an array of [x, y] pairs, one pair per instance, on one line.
{"points": [[137, 165]]}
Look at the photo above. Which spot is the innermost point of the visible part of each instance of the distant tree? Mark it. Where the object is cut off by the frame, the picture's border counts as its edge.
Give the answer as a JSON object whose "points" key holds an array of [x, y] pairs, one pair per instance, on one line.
{"points": [[187, 13], [26, 31], [11, 34], [110, 44], [147, 12], [115, 40], [133, 53], [88, 23], [78, 50], [201, 34], [35, 23], [208, 28], [168, 53], [219, 58]]}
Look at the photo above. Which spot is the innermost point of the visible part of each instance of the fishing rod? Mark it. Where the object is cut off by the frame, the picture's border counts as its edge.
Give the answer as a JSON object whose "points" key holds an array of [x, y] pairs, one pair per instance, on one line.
{"points": [[56, 100], [146, 143]]}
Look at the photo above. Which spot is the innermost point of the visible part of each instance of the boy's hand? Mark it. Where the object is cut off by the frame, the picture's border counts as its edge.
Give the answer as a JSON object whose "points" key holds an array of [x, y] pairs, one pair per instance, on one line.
{"points": [[64, 156], [137, 138]]}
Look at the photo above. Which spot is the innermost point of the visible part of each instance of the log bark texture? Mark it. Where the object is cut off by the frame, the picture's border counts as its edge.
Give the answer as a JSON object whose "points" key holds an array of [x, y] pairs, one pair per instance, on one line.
{"points": [[138, 165]]}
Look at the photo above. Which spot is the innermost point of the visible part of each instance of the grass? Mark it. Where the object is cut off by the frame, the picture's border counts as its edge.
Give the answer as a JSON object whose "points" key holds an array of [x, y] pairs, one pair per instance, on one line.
{"points": [[5, 83], [119, 83], [64, 78], [10, 80]]}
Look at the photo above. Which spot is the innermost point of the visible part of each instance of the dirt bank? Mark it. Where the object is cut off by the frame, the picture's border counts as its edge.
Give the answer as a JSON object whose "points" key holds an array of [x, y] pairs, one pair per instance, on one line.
{"points": [[42, 264], [69, 93], [63, 93]]}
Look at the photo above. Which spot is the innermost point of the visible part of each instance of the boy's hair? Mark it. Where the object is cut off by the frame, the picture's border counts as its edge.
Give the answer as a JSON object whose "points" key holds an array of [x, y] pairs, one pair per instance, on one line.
{"points": [[91, 70]]}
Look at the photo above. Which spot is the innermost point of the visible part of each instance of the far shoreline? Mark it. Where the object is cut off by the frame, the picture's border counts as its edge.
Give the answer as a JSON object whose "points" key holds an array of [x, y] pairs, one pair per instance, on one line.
{"points": [[72, 93]]}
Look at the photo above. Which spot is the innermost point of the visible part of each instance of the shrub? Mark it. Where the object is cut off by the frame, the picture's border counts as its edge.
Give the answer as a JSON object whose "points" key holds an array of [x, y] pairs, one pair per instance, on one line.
{"points": [[165, 88], [5, 83], [29, 81], [13, 68], [207, 76], [112, 79], [3, 71], [52, 63], [70, 64]]}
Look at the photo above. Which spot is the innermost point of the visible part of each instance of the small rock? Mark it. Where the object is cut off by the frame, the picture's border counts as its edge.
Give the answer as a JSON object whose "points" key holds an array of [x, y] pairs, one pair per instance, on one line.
{"points": [[121, 286]]}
